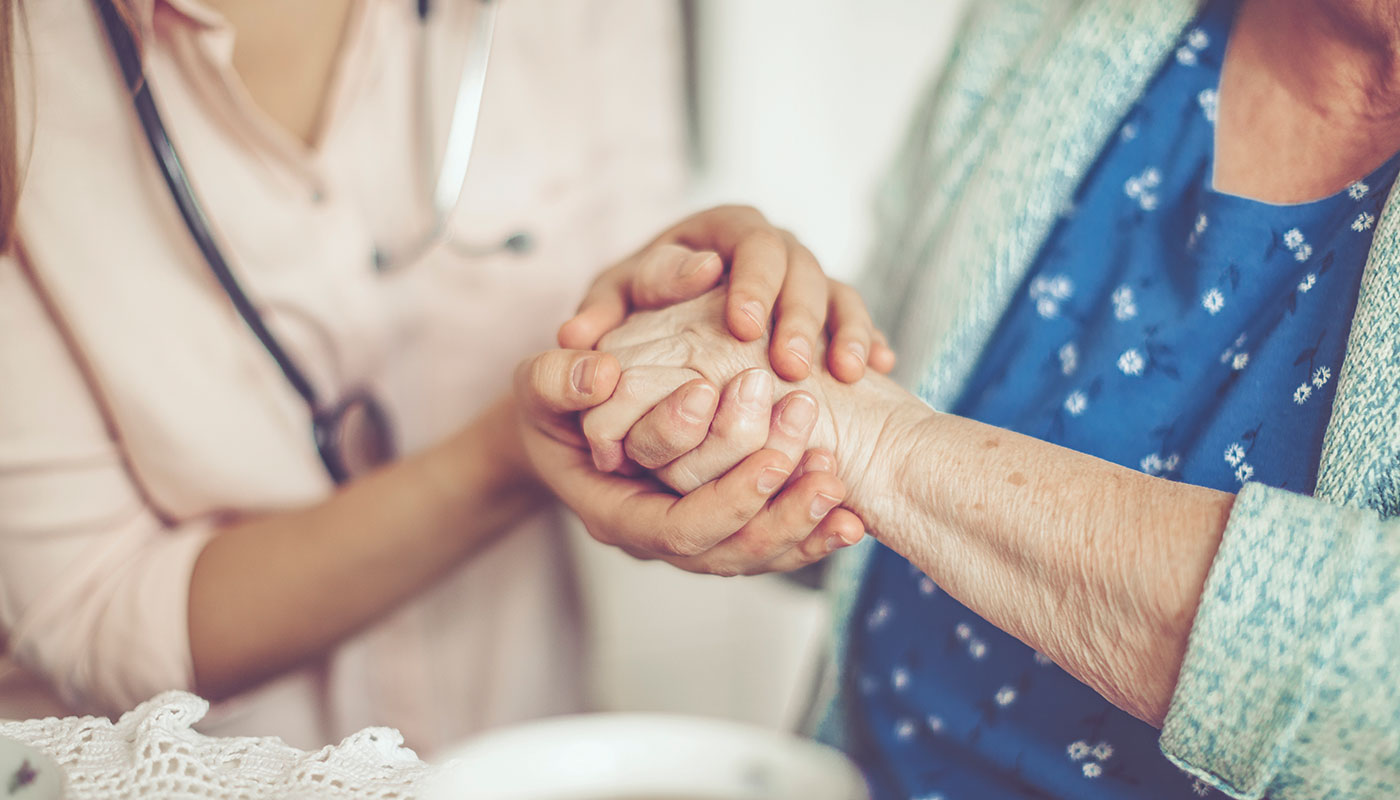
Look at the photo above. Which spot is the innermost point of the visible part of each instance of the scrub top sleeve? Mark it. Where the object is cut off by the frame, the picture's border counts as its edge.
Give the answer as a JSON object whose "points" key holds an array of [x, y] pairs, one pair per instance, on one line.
{"points": [[94, 586]]}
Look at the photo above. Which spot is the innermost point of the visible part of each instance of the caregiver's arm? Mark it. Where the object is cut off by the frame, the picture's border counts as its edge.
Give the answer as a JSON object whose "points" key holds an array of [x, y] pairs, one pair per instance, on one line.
{"points": [[270, 592]]}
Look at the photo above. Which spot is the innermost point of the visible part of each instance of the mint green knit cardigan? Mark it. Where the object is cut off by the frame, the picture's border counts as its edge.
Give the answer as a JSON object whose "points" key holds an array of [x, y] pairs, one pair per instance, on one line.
{"points": [[1291, 683]]}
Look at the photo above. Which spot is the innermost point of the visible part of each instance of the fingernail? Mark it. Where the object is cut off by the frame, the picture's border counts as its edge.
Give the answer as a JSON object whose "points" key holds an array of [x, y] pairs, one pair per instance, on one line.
{"points": [[834, 543], [818, 462], [584, 373], [693, 263], [697, 402], [770, 479], [756, 389], [754, 311], [801, 348], [858, 350], [797, 416], [821, 504]]}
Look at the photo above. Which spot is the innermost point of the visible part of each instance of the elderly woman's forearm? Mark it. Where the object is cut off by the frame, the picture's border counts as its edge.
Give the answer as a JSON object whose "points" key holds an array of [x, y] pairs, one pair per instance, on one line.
{"points": [[1097, 566]]}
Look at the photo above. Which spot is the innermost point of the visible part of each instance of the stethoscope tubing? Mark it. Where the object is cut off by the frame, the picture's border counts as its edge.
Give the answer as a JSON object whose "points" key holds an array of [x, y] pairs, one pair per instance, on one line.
{"points": [[177, 181]]}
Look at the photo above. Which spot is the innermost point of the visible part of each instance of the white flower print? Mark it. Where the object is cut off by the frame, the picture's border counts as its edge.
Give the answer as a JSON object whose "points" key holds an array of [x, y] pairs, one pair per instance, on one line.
{"points": [[1198, 39], [1069, 358], [1005, 696], [878, 616], [1240, 361], [1308, 281], [1041, 659], [1210, 101], [977, 649], [1129, 132], [1124, 308], [934, 796], [1303, 252], [1320, 376], [1201, 223], [1234, 454], [1292, 238], [1212, 301], [1048, 291], [935, 723], [1244, 472], [1302, 393], [1078, 751], [1200, 788], [899, 678], [1171, 462], [1103, 751], [1239, 340], [1151, 464], [963, 631], [1357, 190], [926, 586], [1092, 769], [1363, 222], [1186, 56], [904, 730], [1131, 362], [1139, 187], [1075, 403]]}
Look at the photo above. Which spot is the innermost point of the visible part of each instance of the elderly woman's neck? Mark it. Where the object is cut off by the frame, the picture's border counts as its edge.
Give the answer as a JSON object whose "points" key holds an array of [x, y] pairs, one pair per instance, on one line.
{"points": [[1313, 84], [1341, 57]]}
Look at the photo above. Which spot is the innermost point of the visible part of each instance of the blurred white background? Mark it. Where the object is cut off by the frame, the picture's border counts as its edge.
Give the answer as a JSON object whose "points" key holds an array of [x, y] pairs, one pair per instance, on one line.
{"points": [[801, 104]]}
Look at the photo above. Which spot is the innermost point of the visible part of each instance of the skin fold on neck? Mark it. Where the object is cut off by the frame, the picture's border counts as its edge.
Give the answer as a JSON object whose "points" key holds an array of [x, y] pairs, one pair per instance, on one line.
{"points": [[1309, 97]]}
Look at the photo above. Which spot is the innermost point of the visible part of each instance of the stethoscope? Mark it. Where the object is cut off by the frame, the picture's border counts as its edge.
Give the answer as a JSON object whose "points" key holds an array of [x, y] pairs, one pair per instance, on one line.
{"points": [[353, 435]]}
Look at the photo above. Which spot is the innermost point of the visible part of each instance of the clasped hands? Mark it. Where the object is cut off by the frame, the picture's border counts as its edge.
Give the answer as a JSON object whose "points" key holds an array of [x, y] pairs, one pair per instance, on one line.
{"points": [[704, 428]]}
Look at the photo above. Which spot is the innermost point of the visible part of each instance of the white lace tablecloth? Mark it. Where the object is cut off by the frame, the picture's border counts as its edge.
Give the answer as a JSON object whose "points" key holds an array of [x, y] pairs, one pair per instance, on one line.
{"points": [[153, 752]]}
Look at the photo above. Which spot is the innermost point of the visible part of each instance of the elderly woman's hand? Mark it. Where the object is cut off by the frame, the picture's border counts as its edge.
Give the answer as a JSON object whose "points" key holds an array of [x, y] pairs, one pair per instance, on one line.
{"points": [[661, 350], [771, 512]]}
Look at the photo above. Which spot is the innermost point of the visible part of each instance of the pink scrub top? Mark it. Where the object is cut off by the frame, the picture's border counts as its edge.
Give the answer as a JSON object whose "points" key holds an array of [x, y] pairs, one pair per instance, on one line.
{"points": [[138, 412]]}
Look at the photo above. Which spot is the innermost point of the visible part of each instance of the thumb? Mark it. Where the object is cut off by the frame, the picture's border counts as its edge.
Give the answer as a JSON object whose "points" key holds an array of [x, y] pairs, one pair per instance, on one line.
{"points": [[558, 382]]}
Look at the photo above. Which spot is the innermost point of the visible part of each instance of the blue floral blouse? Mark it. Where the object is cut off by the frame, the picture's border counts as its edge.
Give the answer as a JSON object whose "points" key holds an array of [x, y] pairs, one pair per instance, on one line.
{"points": [[1166, 327]]}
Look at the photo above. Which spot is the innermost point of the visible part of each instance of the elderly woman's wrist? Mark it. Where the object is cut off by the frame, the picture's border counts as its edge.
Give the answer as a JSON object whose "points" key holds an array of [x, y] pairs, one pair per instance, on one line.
{"points": [[872, 425]]}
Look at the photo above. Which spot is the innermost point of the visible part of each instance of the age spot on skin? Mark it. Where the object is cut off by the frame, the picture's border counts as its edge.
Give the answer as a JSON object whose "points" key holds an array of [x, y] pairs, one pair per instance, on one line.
{"points": [[991, 443], [1016, 479]]}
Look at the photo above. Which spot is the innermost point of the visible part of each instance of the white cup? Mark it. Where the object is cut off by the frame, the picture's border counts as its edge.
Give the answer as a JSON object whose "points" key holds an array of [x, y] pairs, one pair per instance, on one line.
{"points": [[643, 757]]}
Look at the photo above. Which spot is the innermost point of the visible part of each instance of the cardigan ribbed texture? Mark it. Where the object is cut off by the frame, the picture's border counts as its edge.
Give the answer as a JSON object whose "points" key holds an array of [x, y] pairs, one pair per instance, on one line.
{"points": [[1291, 683]]}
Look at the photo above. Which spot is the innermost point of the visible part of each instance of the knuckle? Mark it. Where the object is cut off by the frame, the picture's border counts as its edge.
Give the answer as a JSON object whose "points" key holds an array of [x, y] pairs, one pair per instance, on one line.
{"points": [[797, 315], [726, 570], [764, 239], [677, 542], [630, 385], [742, 211], [680, 476], [684, 548]]}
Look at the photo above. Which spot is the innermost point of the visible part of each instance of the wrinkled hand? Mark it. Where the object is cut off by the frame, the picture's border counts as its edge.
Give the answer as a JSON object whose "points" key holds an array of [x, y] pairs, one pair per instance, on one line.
{"points": [[771, 278], [743, 522], [659, 351]]}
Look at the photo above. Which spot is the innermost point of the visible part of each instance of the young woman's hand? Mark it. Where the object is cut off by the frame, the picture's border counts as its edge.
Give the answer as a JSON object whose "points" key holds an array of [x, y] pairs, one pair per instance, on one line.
{"points": [[769, 510], [773, 279]]}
